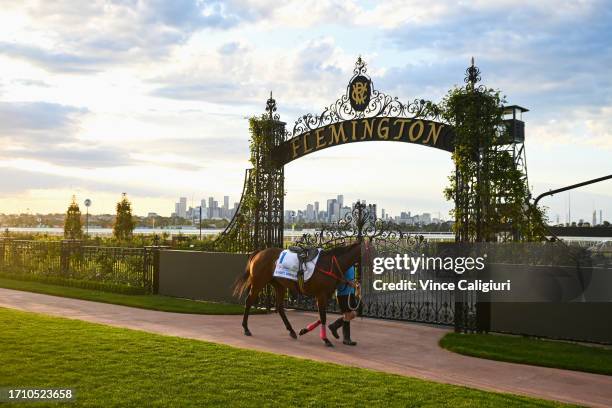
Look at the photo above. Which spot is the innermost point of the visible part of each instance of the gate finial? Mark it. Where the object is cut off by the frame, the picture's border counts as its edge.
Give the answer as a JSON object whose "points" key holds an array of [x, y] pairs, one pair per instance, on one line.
{"points": [[271, 106], [472, 74], [360, 66]]}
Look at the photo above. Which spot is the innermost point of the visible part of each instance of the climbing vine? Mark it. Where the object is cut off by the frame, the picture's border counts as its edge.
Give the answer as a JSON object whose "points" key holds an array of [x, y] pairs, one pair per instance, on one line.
{"points": [[491, 195], [261, 144]]}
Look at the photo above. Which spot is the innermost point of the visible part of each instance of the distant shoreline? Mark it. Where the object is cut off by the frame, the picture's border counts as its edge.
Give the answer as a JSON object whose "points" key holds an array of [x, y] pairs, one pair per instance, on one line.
{"points": [[288, 233]]}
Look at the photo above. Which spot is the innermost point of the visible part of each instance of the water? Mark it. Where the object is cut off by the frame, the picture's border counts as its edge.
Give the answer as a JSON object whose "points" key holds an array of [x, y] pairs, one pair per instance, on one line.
{"points": [[292, 235]]}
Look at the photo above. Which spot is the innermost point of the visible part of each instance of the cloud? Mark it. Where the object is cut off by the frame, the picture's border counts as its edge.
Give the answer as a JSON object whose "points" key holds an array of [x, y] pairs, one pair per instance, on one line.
{"points": [[217, 91], [49, 132], [19, 181], [88, 157], [38, 123], [563, 55], [80, 37], [231, 48], [199, 152], [53, 61], [31, 82], [239, 74]]}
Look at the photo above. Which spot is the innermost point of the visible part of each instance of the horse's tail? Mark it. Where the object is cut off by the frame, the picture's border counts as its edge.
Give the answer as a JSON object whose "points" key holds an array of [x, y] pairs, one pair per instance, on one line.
{"points": [[243, 282]]}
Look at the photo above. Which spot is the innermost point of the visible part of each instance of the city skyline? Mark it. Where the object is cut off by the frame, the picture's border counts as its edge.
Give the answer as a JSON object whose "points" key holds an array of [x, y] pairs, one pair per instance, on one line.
{"points": [[339, 208], [210, 209], [336, 209], [160, 110]]}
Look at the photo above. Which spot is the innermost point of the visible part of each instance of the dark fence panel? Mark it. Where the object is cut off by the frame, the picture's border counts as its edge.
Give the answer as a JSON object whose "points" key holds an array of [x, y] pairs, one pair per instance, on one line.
{"points": [[200, 275], [133, 267]]}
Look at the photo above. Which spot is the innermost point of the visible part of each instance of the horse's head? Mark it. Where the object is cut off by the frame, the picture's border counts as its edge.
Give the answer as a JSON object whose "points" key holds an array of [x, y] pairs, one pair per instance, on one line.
{"points": [[358, 252]]}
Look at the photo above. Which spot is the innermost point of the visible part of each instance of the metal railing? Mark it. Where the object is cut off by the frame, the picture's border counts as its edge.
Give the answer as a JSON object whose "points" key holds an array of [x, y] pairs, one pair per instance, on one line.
{"points": [[133, 267]]}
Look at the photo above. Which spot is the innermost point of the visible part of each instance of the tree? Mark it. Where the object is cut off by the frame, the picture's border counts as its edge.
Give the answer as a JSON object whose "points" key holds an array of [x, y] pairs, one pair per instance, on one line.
{"points": [[72, 223], [491, 195], [124, 223]]}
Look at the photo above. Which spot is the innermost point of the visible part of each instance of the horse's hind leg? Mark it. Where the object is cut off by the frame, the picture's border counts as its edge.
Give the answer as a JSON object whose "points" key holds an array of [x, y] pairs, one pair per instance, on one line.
{"points": [[310, 327], [322, 306], [250, 301], [280, 307]]}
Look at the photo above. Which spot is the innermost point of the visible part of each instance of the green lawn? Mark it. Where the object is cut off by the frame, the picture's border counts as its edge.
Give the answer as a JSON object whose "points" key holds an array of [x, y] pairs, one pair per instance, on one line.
{"points": [[532, 351], [154, 302], [119, 367]]}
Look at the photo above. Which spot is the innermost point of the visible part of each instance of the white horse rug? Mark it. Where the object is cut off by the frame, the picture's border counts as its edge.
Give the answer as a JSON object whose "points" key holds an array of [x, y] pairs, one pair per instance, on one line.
{"points": [[287, 266]]}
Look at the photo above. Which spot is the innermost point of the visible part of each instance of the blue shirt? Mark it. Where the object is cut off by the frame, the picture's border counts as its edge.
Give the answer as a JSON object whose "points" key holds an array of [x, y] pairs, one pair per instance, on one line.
{"points": [[343, 289]]}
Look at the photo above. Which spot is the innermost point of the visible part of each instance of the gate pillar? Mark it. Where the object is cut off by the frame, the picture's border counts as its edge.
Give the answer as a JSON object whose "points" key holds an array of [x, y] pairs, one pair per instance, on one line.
{"points": [[269, 180]]}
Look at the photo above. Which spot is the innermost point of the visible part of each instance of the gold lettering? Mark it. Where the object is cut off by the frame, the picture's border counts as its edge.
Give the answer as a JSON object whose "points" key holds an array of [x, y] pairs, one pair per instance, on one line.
{"points": [[383, 132], [368, 128], [319, 138], [433, 133], [336, 134], [402, 122], [295, 145], [305, 143], [411, 135], [354, 135]]}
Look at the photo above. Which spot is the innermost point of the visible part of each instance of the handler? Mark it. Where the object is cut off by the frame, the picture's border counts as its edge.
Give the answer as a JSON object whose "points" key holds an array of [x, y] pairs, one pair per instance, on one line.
{"points": [[345, 294]]}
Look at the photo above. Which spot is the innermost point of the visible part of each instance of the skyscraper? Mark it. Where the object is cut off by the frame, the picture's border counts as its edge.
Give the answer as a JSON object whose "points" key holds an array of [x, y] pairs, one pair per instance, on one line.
{"points": [[182, 207], [309, 212], [211, 206], [225, 207], [331, 203]]}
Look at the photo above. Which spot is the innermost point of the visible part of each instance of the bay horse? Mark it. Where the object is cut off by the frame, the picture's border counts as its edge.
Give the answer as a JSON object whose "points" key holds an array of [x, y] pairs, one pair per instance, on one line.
{"points": [[329, 271]]}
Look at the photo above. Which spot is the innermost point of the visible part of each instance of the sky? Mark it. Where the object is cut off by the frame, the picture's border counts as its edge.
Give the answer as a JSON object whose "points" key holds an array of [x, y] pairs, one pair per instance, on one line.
{"points": [[152, 98]]}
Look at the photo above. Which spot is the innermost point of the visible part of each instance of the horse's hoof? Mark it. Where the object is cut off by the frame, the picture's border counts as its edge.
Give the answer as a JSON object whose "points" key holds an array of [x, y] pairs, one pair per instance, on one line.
{"points": [[303, 331], [292, 334], [328, 343], [247, 332]]}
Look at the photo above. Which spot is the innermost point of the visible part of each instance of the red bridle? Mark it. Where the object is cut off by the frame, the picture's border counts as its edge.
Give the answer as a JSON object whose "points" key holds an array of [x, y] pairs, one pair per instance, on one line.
{"points": [[336, 264]]}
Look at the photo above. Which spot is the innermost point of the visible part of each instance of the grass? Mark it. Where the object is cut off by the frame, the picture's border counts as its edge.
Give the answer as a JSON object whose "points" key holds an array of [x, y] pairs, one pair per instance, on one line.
{"points": [[153, 302], [527, 350], [119, 367]]}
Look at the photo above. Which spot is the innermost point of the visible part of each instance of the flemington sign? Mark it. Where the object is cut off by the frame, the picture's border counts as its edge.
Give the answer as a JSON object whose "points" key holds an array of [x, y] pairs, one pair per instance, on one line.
{"points": [[420, 131]]}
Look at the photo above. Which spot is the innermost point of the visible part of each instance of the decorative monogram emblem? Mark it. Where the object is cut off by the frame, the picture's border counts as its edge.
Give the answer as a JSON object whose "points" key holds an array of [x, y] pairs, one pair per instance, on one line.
{"points": [[359, 92]]}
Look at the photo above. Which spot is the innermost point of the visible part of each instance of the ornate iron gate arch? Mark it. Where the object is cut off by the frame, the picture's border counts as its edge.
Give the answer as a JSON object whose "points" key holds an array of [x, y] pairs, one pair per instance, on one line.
{"points": [[361, 114]]}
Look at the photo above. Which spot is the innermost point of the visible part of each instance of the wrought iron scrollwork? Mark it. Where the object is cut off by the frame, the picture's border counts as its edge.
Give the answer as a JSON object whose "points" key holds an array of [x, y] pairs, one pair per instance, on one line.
{"points": [[380, 104], [359, 224]]}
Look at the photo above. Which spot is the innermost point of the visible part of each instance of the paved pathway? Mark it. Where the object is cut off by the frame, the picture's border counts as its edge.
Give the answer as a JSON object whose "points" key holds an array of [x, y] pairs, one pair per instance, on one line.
{"points": [[395, 347]]}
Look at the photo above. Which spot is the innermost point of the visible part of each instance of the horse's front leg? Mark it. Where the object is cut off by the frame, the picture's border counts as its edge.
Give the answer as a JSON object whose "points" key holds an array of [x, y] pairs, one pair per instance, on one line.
{"points": [[322, 305]]}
